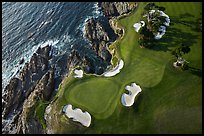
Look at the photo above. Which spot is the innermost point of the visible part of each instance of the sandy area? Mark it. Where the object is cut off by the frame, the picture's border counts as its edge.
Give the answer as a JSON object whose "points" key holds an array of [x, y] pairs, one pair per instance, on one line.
{"points": [[79, 73], [115, 70], [128, 99], [137, 26], [77, 115], [162, 28]]}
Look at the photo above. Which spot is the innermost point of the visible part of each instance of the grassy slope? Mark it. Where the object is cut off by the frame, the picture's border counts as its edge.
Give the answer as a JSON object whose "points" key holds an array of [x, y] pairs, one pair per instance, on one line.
{"points": [[170, 101]]}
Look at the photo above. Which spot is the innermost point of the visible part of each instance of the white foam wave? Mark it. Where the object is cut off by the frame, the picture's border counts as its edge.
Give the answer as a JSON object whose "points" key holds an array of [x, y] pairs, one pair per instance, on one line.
{"points": [[95, 14], [97, 10]]}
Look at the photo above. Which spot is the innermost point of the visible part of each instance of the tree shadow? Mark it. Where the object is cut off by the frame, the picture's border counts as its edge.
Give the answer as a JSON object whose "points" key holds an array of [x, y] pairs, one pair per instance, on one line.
{"points": [[193, 24], [172, 38], [195, 71], [185, 15]]}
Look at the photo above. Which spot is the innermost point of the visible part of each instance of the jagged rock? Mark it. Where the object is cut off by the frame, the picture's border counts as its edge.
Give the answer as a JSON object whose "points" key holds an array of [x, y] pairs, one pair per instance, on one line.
{"points": [[11, 96], [43, 90], [97, 35], [19, 89], [111, 9], [95, 32]]}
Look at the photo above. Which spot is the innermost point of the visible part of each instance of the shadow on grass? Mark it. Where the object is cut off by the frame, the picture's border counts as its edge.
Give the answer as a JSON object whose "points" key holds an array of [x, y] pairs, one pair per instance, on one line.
{"points": [[175, 37], [194, 23], [137, 102], [195, 71]]}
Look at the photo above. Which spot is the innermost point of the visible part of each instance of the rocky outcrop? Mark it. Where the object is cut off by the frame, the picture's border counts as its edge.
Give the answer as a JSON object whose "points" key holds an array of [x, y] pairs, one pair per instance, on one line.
{"points": [[11, 97], [90, 62], [111, 9], [27, 123], [97, 35], [19, 89], [100, 34]]}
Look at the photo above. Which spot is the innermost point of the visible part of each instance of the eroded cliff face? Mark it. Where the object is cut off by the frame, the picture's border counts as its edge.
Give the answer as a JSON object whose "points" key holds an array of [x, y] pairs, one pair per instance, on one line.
{"points": [[98, 37], [114, 9], [27, 122], [19, 89], [19, 92]]}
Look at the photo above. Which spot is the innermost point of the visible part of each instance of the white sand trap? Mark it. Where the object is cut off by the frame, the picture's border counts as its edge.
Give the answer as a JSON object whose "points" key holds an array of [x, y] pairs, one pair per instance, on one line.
{"points": [[162, 14], [167, 17], [79, 73], [77, 115], [137, 26], [167, 22], [162, 31], [162, 28], [128, 99], [115, 70]]}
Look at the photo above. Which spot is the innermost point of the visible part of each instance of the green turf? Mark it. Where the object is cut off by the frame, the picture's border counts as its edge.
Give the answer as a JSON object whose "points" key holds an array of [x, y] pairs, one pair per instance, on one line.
{"points": [[171, 99], [94, 95]]}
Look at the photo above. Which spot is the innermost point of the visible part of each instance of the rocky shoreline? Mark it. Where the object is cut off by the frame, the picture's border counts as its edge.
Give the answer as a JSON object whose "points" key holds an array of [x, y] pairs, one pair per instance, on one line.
{"points": [[37, 81]]}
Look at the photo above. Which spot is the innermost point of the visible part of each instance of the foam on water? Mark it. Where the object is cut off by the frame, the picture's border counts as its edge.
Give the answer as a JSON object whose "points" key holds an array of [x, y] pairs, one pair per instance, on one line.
{"points": [[96, 13]]}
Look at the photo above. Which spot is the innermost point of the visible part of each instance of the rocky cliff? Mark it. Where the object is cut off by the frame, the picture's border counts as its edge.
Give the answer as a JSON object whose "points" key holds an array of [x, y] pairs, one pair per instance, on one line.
{"points": [[27, 122], [19, 90], [114, 9], [97, 35]]}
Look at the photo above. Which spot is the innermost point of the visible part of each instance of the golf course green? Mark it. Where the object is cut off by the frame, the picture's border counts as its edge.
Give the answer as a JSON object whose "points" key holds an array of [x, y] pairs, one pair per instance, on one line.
{"points": [[171, 99]]}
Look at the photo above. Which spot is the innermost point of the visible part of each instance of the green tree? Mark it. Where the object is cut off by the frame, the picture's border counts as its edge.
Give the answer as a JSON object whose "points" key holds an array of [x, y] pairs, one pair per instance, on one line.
{"points": [[178, 53], [149, 6], [185, 49]]}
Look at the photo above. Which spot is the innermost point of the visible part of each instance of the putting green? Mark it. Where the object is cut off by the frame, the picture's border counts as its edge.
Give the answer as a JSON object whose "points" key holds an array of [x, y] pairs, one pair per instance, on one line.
{"points": [[97, 96]]}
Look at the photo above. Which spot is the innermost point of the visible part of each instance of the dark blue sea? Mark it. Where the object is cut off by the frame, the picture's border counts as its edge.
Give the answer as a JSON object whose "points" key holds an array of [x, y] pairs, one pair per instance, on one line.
{"points": [[29, 25]]}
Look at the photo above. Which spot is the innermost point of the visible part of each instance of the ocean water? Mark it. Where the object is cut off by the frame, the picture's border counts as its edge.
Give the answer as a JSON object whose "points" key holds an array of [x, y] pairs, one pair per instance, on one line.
{"points": [[28, 25]]}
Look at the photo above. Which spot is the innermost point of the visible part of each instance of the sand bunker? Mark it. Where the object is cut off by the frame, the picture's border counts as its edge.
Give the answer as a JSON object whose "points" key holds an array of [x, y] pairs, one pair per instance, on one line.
{"points": [[79, 73], [137, 26], [162, 29], [128, 99], [77, 115], [115, 70]]}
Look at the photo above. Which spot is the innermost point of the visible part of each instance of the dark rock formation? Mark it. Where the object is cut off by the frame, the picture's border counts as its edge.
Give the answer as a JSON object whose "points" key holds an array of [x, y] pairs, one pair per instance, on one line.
{"points": [[19, 89], [27, 123], [89, 61], [111, 9], [11, 97], [99, 37]]}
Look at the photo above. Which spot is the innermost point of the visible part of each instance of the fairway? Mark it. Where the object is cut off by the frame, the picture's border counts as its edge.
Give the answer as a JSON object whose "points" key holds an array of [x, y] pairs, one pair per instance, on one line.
{"points": [[171, 99]]}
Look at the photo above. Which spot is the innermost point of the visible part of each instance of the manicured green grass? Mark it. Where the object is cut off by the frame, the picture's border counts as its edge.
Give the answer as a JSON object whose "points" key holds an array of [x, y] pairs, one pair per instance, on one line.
{"points": [[94, 95], [171, 99]]}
